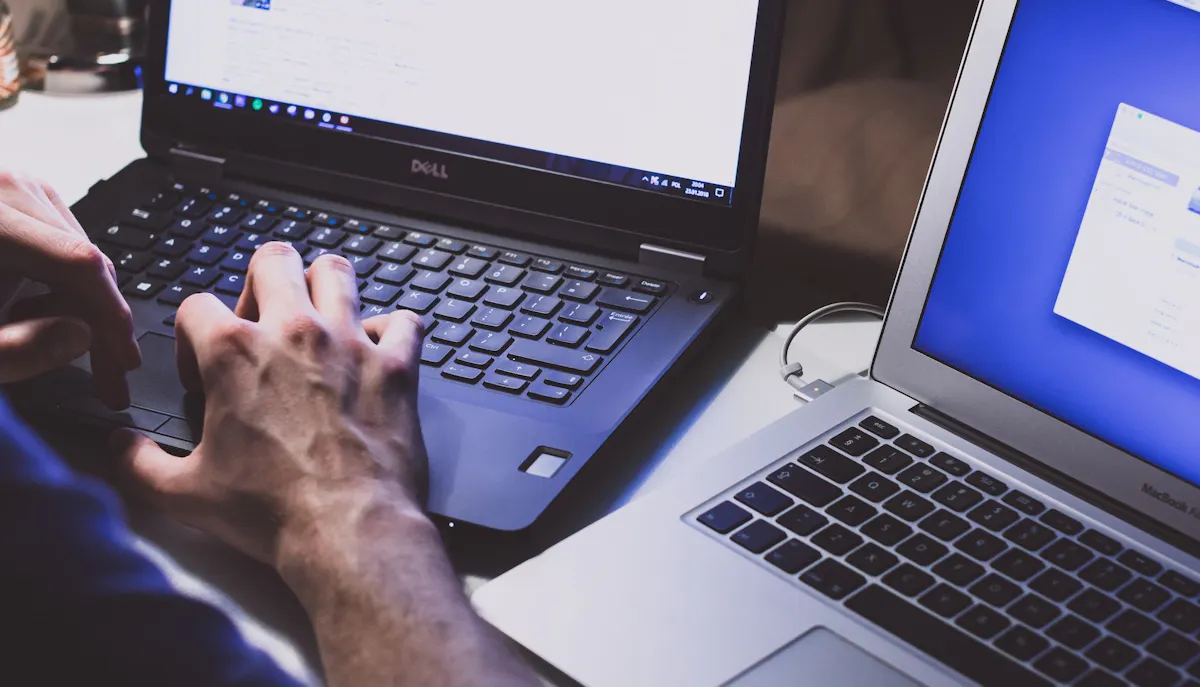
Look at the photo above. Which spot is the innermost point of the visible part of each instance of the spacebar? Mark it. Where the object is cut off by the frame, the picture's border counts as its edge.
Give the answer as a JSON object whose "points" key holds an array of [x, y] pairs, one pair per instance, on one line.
{"points": [[943, 642]]}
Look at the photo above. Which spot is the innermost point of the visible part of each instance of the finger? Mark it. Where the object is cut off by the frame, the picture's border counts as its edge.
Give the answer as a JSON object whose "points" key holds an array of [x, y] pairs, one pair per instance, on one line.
{"points": [[61, 206], [44, 305], [275, 285], [334, 290], [29, 197], [196, 319], [34, 347], [71, 264], [400, 333], [149, 471]]}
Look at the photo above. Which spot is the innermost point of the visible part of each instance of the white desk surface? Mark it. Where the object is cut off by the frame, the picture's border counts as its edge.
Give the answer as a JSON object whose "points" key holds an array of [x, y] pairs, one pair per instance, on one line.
{"points": [[74, 142]]}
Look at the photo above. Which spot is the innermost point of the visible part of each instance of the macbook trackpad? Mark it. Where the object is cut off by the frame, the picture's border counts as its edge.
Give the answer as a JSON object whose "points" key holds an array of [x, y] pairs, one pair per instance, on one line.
{"points": [[821, 657]]}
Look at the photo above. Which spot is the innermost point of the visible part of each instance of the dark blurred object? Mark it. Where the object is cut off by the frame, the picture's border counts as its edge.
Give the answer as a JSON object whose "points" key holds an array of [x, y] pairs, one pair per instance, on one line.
{"points": [[81, 46], [10, 76]]}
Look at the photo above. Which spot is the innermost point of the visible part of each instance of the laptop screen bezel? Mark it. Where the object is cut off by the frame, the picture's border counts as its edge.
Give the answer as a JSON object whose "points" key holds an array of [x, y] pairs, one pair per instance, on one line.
{"points": [[675, 220], [986, 409]]}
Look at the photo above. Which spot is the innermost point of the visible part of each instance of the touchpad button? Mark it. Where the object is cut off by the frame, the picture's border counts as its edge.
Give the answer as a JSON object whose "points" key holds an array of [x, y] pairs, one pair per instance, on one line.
{"points": [[821, 657]]}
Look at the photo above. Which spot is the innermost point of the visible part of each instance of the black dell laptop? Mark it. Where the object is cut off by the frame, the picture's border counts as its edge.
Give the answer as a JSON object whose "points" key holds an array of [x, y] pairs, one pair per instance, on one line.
{"points": [[566, 192]]}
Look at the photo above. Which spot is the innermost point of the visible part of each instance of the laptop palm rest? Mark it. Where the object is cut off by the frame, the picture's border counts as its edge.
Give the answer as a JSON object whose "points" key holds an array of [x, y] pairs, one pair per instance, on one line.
{"points": [[821, 657]]}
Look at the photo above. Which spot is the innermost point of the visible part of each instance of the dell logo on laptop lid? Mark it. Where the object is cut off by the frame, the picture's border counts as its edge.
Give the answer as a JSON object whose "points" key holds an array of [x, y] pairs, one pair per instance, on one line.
{"points": [[430, 169]]}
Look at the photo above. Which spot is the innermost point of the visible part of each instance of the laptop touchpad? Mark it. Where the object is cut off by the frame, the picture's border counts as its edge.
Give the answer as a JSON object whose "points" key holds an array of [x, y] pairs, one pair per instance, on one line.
{"points": [[155, 385], [821, 657]]}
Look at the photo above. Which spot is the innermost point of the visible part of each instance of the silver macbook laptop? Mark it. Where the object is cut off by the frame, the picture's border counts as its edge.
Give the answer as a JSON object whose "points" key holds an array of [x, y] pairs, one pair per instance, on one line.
{"points": [[1012, 498]]}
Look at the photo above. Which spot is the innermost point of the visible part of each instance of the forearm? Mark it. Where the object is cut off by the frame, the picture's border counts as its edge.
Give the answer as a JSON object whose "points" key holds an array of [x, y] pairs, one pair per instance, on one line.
{"points": [[384, 601]]}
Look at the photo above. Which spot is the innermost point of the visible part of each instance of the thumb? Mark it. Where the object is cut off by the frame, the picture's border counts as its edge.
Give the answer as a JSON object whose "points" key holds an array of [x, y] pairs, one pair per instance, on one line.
{"points": [[33, 347], [149, 471]]}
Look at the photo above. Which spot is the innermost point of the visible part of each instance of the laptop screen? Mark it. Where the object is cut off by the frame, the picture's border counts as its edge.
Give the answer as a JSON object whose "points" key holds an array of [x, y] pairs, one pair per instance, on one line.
{"points": [[650, 95], [1070, 276]]}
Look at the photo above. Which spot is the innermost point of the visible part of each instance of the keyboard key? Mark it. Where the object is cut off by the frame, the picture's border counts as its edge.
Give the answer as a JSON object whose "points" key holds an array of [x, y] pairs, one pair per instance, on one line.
{"points": [[854, 442], [1181, 615], [887, 530], [176, 294], [504, 297], [468, 267], [1061, 665], [433, 282], [980, 545], [837, 540], [575, 290], [908, 506], [610, 331], [492, 318], [580, 314], [1179, 584], [1021, 643], [461, 373], [1133, 626], [994, 516], [1100, 678], [983, 622], [186, 228], [455, 310], [530, 327], [418, 302], [756, 537], [581, 273], [467, 289], [945, 526], [293, 230], [725, 518], [986, 483], [542, 306], [432, 259], [852, 511], [915, 446], [148, 220], [143, 288], [908, 580], [958, 569], [453, 333], [555, 357], [1055, 585], [509, 257], [874, 487], [1138, 562], [613, 279], [1024, 502], [483, 252], [1105, 575], [380, 294], [562, 379], [492, 343], [764, 499], [975, 660], [238, 261], [922, 478], [1173, 648], [950, 464], [132, 261], [547, 265], [833, 579], [362, 245], [354, 226], [996, 590], [397, 252], [511, 385], [793, 556], [172, 247], [205, 255], [1018, 565], [872, 560], [832, 464], [1072, 633], [1062, 522], [219, 236], [623, 300], [297, 213], [201, 277], [1029, 535], [231, 284], [521, 370], [1067, 555], [1112, 653], [888, 459], [1034, 611], [472, 359], [549, 394], [452, 246], [1144, 595], [922, 550], [957, 497], [505, 275], [167, 269], [879, 428], [417, 238], [394, 274], [1152, 673], [193, 208], [435, 354], [802, 520], [327, 238], [945, 600]]}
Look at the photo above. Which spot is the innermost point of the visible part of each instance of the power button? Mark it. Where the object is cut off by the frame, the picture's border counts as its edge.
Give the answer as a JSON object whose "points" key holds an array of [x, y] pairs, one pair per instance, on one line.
{"points": [[702, 297]]}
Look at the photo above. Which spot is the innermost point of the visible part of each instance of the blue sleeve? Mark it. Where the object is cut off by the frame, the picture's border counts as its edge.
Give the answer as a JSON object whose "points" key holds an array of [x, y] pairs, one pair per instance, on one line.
{"points": [[80, 606]]}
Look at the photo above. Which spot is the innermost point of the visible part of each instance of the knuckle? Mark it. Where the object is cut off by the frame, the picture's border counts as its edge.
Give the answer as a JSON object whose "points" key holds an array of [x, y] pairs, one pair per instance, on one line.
{"points": [[83, 256], [9, 179], [413, 320], [401, 372], [306, 329]]}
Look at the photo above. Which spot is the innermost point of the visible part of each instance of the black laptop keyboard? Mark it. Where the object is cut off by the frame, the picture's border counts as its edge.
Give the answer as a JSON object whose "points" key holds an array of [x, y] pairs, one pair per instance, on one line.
{"points": [[990, 581], [511, 322]]}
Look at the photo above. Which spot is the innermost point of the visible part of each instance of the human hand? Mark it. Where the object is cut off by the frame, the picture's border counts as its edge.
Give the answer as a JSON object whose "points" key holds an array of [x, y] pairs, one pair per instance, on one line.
{"points": [[40, 240], [305, 414]]}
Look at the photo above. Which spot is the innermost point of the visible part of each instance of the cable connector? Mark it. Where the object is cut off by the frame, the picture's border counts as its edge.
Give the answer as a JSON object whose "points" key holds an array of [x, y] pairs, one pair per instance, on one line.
{"points": [[813, 391], [793, 373]]}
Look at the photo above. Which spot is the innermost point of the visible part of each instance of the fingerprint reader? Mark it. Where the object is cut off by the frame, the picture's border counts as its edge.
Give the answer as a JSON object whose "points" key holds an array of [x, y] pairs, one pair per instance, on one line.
{"points": [[545, 462]]}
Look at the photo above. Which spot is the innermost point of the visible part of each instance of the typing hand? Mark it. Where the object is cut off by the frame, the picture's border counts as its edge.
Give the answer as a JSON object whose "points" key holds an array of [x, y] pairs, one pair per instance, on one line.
{"points": [[40, 240], [305, 413]]}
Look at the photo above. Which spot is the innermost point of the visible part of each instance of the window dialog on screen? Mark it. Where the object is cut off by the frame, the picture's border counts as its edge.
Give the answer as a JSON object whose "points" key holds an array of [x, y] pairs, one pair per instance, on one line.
{"points": [[1134, 272]]}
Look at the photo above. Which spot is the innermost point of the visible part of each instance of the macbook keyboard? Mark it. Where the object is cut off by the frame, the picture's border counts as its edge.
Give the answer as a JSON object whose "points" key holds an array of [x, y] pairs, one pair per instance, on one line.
{"points": [[512, 322], [993, 582]]}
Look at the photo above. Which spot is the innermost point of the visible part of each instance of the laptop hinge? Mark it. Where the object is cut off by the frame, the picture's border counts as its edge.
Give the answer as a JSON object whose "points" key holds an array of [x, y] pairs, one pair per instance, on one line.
{"points": [[198, 165], [663, 258]]}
